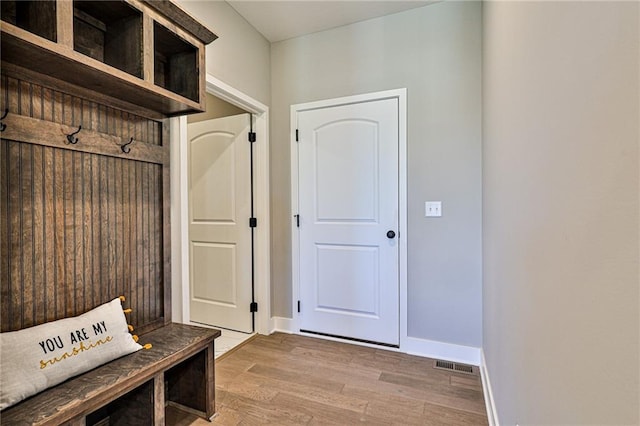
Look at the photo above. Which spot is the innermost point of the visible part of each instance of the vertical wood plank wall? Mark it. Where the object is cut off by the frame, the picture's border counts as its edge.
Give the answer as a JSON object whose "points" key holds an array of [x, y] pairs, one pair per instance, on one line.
{"points": [[78, 229]]}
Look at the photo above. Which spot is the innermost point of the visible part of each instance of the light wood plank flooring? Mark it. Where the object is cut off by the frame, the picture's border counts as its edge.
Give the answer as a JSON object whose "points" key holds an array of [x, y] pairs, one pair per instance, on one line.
{"points": [[294, 380]]}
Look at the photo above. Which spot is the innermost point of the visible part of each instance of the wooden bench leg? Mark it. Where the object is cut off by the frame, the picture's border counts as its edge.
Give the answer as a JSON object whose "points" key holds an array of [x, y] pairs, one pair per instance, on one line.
{"points": [[158, 399], [210, 373]]}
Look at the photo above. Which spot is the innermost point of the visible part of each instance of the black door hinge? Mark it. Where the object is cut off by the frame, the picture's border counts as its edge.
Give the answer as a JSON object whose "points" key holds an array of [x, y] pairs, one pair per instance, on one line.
{"points": [[253, 307], [297, 216], [253, 222], [252, 136], [298, 306], [297, 140]]}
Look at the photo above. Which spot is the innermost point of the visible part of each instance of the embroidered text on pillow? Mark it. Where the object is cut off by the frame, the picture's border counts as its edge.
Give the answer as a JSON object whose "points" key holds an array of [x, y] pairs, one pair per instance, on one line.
{"points": [[75, 351]]}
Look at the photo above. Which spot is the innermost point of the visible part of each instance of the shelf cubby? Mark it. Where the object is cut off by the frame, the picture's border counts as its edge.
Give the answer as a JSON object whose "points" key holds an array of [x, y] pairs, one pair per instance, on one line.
{"points": [[185, 382], [133, 408], [110, 32], [38, 17], [175, 63]]}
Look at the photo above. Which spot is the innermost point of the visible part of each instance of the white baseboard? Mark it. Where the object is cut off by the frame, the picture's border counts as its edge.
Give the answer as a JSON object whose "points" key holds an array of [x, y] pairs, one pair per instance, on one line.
{"points": [[441, 350], [281, 325], [492, 413]]}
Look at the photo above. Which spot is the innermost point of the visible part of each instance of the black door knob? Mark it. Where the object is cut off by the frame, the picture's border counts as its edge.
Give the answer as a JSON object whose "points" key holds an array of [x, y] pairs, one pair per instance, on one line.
{"points": [[391, 234]]}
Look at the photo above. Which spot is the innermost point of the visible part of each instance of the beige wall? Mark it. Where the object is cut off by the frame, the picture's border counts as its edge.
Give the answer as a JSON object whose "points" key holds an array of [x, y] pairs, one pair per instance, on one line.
{"points": [[216, 108], [435, 52], [561, 211], [240, 56]]}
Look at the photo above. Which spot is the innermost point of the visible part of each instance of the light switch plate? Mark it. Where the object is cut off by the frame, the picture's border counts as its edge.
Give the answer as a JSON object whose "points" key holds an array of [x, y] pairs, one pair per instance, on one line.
{"points": [[433, 208]]}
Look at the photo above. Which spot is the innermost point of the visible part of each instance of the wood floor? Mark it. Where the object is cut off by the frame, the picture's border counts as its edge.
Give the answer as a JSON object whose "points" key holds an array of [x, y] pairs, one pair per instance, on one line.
{"points": [[294, 380]]}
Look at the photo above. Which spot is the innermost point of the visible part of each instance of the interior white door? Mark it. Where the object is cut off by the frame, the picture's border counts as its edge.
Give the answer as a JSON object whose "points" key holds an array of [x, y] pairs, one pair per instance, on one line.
{"points": [[348, 207], [219, 233]]}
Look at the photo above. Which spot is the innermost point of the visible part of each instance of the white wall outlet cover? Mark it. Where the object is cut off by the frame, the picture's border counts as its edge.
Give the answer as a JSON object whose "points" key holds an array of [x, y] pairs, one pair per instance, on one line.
{"points": [[433, 208]]}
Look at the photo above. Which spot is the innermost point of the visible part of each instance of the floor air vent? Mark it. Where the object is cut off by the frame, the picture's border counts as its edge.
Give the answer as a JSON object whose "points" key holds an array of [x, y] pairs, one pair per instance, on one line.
{"points": [[453, 366]]}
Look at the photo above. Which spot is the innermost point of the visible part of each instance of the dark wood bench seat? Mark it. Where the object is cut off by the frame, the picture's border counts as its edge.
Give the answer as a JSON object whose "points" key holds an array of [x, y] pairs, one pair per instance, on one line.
{"points": [[134, 389]]}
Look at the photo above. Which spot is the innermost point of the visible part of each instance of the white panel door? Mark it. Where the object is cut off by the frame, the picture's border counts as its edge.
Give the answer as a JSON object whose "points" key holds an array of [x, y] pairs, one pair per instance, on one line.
{"points": [[219, 233], [348, 206]]}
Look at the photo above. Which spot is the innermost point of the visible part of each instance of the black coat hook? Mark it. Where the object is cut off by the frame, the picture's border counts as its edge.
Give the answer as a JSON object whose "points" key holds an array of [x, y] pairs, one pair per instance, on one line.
{"points": [[3, 126], [70, 137], [125, 147]]}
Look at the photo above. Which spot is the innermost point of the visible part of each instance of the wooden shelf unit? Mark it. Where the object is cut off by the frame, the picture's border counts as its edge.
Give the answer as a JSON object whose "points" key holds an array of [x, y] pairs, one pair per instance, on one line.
{"points": [[71, 65], [147, 53]]}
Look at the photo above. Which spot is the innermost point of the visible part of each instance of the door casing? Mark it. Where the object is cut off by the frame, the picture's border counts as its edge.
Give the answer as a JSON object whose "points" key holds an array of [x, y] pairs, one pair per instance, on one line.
{"points": [[179, 208], [401, 95]]}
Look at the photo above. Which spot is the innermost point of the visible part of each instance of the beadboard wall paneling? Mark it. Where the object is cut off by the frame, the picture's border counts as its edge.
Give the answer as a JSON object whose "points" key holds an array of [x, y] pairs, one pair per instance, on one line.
{"points": [[79, 228]]}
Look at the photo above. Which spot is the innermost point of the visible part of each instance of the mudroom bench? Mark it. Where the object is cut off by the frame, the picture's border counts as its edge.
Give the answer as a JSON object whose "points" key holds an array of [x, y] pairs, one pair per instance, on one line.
{"points": [[178, 371], [86, 92]]}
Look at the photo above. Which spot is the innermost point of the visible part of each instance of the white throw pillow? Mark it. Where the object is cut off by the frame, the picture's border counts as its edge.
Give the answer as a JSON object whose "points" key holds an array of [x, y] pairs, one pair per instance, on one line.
{"points": [[36, 358]]}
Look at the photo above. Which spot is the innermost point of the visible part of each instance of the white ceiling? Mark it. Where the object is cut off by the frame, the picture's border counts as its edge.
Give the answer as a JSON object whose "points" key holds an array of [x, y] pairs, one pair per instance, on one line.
{"points": [[284, 19]]}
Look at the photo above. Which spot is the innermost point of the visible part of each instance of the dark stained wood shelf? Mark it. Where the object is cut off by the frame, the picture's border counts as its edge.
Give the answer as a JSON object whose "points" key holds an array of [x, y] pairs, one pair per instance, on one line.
{"points": [[117, 48], [180, 360]]}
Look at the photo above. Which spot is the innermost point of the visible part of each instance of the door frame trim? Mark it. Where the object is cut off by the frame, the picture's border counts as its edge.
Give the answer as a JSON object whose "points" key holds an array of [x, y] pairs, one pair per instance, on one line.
{"points": [[401, 95], [180, 204]]}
